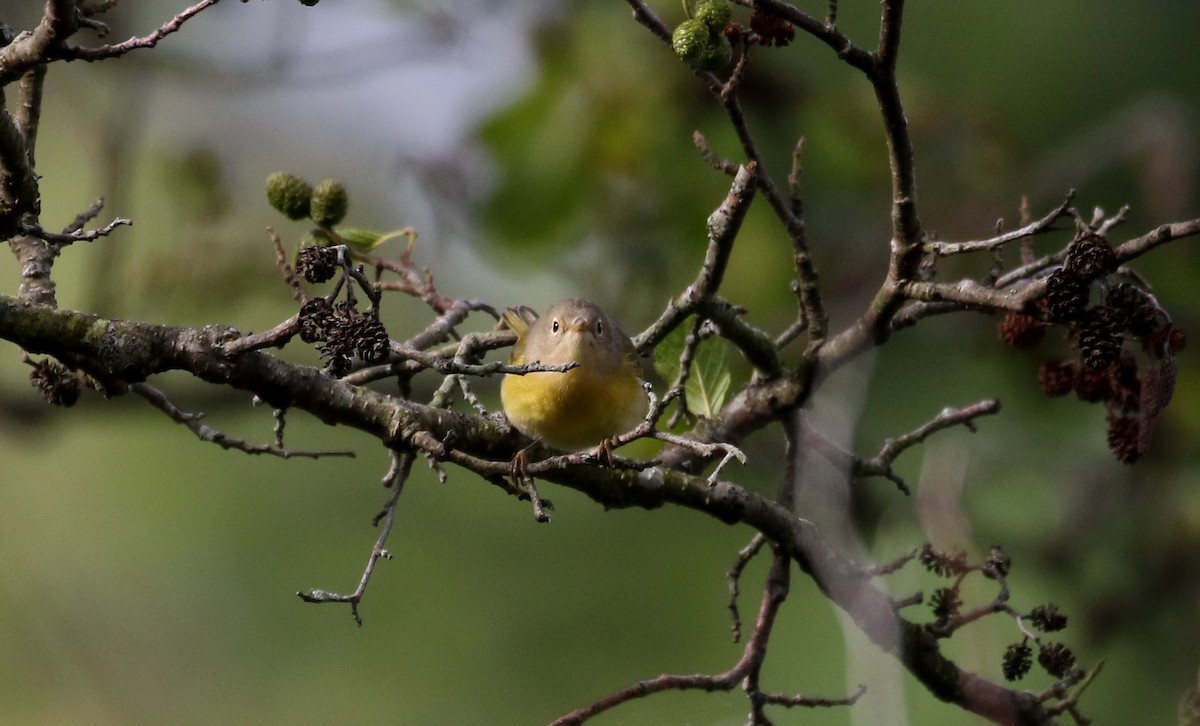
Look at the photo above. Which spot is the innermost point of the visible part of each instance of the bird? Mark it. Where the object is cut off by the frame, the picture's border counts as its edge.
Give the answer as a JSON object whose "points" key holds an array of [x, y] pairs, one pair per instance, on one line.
{"points": [[584, 407]]}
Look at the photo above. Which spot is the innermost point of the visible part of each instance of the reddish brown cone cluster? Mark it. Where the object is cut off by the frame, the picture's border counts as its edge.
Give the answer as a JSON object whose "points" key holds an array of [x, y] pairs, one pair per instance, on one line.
{"points": [[1133, 388], [771, 29], [341, 331], [57, 384]]}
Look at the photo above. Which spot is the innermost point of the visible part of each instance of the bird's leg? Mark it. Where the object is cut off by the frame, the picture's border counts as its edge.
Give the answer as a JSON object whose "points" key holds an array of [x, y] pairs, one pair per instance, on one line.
{"points": [[518, 469], [604, 451]]}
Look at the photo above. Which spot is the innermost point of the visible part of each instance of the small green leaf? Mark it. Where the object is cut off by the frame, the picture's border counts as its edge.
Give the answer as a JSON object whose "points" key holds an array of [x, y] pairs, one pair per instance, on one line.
{"points": [[667, 352], [365, 240], [708, 385], [709, 380]]}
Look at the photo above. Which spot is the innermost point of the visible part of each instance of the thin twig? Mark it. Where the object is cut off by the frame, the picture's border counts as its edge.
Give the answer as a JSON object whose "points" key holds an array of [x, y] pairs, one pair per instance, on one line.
{"points": [[145, 41], [743, 674], [723, 226], [881, 464], [206, 433], [84, 217], [734, 575], [1040, 226], [395, 478], [711, 157], [450, 365], [35, 230]]}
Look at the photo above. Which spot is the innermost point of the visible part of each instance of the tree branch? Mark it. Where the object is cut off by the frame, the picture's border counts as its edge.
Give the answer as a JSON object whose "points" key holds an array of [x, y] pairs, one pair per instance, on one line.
{"points": [[131, 351]]}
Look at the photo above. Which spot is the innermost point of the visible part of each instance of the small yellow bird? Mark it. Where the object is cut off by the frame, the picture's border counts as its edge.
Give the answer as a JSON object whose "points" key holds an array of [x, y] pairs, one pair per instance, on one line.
{"points": [[602, 397]]}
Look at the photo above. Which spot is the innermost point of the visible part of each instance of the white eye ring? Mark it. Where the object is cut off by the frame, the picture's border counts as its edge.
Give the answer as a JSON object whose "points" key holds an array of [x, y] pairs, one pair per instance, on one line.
{"points": [[554, 327]]}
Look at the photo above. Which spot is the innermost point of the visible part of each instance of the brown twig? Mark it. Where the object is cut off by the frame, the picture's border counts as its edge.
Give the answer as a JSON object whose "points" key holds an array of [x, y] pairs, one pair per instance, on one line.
{"points": [[733, 577], [145, 41], [744, 674], [397, 475], [881, 463], [723, 226], [62, 240], [192, 421], [1040, 226]]}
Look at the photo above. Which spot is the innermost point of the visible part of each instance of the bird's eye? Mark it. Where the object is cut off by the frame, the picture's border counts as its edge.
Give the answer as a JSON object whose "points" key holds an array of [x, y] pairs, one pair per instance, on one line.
{"points": [[554, 327], [599, 327]]}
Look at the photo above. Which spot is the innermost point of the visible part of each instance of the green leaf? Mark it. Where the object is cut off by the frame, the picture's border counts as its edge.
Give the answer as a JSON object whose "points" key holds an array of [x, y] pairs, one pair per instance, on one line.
{"points": [[667, 352], [365, 240], [708, 385]]}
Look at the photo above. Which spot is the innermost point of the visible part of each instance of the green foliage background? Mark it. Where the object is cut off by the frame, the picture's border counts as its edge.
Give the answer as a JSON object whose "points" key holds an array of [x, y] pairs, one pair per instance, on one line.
{"points": [[147, 578]]}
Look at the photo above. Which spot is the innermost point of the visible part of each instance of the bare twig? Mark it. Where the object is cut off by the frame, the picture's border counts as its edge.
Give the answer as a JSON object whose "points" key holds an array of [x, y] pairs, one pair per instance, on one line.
{"points": [[728, 452], [757, 345], [647, 17], [145, 41], [442, 328], [413, 280], [881, 464], [35, 230], [1045, 224], [397, 475], [678, 388], [449, 365], [84, 217], [723, 226], [744, 674], [1160, 235], [274, 337], [971, 295], [206, 433], [734, 575], [285, 268], [711, 157], [888, 568]]}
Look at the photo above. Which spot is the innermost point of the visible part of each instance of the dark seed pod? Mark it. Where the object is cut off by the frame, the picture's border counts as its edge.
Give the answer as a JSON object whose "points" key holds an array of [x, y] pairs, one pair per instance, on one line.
{"points": [[1018, 658], [771, 30], [371, 341], [1092, 385], [1047, 618], [1100, 337], [1066, 295], [317, 264], [1136, 307], [59, 386], [1091, 257], [1056, 658], [316, 319]]}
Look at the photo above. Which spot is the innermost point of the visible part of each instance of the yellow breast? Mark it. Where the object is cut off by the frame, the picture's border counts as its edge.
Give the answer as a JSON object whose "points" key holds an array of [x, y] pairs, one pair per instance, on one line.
{"points": [[576, 409]]}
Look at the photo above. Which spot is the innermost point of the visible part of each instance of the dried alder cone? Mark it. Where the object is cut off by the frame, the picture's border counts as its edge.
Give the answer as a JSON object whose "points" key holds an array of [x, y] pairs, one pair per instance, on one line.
{"points": [[1125, 342], [340, 330], [58, 385]]}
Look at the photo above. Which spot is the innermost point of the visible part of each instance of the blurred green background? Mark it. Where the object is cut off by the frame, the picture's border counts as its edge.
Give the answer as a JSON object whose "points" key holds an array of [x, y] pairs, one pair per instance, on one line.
{"points": [[544, 149]]}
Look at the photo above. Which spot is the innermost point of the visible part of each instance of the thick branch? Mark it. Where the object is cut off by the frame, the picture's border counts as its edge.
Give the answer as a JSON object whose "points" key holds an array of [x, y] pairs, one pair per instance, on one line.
{"points": [[59, 22]]}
